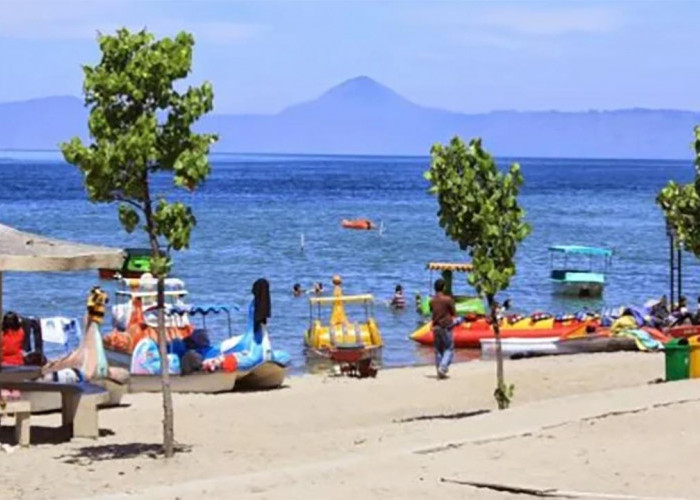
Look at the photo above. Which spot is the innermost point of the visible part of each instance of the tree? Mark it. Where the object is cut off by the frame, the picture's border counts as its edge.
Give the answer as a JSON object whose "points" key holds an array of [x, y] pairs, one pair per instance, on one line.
{"points": [[478, 209], [140, 126], [681, 206]]}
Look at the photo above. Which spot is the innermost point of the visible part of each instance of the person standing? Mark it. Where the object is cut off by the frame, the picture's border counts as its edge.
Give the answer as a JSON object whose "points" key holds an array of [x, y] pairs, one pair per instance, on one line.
{"points": [[442, 307]]}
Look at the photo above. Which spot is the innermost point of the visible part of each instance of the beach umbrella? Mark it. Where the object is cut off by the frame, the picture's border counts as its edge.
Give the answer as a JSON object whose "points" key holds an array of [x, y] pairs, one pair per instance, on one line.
{"points": [[27, 252]]}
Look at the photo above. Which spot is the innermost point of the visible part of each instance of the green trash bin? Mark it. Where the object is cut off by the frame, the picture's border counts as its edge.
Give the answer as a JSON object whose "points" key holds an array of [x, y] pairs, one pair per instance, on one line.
{"points": [[677, 364]]}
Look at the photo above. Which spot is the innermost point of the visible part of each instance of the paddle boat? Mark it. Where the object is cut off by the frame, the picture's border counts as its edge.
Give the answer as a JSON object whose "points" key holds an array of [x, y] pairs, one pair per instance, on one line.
{"points": [[582, 278], [353, 345], [243, 361], [464, 304], [136, 264], [470, 332], [134, 316]]}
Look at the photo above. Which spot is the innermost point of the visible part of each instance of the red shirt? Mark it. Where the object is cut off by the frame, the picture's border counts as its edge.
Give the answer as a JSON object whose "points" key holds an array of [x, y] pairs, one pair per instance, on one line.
{"points": [[12, 347], [443, 309]]}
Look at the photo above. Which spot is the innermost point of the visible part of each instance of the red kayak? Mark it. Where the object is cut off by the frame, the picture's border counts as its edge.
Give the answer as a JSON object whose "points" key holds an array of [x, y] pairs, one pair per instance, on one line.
{"points": [[469, 333], [365, 224]]}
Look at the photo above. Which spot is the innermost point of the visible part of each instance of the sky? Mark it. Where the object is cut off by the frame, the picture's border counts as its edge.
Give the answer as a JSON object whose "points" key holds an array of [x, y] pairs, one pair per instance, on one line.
{"points": [[466, 56]]}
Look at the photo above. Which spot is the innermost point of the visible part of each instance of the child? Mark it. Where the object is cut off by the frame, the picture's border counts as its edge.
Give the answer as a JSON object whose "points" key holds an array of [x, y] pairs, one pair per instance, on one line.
{"points": [[398, 301]]}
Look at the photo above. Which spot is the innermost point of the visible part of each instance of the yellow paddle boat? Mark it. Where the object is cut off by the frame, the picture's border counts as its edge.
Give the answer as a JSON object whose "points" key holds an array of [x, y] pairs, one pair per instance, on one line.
{"points": [[340, 332]]}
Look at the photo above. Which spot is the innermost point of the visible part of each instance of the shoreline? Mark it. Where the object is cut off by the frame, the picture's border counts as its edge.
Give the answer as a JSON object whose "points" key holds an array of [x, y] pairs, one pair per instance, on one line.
{"points": [[331, 435]]}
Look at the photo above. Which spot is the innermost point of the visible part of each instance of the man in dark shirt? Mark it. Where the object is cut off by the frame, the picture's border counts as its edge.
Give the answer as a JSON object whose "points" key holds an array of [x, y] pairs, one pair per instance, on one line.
{"points": [[442, 307]]}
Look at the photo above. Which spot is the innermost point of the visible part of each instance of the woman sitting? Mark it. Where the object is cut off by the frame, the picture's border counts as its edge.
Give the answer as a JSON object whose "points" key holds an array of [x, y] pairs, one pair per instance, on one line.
{"points": [[12, 340]]}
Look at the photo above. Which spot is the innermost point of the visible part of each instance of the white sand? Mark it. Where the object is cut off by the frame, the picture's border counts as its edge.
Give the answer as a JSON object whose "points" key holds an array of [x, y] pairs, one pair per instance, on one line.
{"points": [[342, 438]]}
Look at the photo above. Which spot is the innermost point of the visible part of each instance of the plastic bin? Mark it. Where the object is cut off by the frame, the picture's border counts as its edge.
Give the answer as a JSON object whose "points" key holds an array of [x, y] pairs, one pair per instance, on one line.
{"points": [[694, 356], [677, 362]]}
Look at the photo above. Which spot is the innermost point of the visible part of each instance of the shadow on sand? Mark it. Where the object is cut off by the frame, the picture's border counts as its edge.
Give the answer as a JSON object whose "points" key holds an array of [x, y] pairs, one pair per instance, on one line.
{"points": [[99, 453], [45, 435], [443, 416]]}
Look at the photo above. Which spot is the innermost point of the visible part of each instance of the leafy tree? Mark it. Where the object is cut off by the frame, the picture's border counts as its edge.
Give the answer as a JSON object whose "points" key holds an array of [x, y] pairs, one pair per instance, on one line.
{"points": [[681, 206], [478, 209], [140, 126]]}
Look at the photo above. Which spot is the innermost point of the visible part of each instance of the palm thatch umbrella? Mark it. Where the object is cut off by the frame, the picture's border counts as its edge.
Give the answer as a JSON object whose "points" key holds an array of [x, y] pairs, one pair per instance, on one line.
{"points": [[27, 252]]}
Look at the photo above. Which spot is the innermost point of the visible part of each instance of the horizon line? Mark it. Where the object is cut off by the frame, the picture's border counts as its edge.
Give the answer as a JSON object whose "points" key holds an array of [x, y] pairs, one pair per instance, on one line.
{"points": [[398, 156], [464, 113]]}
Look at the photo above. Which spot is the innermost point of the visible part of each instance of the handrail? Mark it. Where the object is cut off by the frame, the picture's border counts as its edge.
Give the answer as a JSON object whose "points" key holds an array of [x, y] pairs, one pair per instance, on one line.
{"points": [[343, 298]]}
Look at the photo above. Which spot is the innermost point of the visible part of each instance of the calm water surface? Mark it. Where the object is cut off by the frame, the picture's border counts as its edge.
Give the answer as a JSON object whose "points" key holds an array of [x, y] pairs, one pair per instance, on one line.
{"points": [[253, 210]]}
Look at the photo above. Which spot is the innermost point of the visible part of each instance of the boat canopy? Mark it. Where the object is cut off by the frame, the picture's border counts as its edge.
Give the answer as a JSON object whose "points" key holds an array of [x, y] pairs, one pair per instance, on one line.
{"points": [[460, 267], [581, 250], [203, 310], [347, 299]]}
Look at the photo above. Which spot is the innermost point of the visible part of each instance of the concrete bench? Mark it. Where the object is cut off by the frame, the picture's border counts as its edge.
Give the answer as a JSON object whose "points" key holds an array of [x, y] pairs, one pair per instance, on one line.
{"points": [[22, 412], [78, 403]]}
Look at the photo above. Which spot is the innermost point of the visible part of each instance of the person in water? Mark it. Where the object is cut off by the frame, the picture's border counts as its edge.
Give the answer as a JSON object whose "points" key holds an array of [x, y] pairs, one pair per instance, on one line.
{"points": [[318, 288], [442, 307], [297, 291], [398, 301]]}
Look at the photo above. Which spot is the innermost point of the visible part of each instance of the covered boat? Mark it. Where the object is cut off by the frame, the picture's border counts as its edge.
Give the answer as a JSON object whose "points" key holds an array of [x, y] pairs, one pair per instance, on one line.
{"points": [[537, 326], [464, 304], [578, 271]]}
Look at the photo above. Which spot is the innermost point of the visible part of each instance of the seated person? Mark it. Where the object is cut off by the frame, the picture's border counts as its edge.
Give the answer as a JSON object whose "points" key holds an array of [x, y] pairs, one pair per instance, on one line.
{"points": [[398, 301], [696, 316], [12, 340], [659, 313], [680, 314]]}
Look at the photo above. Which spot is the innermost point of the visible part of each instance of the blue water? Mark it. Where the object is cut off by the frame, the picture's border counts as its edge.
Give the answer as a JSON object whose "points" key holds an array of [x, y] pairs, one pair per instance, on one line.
{"points": [[253, 210]]}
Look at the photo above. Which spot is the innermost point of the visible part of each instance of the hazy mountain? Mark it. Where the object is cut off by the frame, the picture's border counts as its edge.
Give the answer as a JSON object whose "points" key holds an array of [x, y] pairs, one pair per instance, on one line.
{"points": [[361, 116]]}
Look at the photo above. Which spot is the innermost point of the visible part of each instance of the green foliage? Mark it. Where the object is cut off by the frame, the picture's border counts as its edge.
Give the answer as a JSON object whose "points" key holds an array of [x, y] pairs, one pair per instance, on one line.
{"points": [[504, 395], [681, 206], [140, 125], [478, 209]]}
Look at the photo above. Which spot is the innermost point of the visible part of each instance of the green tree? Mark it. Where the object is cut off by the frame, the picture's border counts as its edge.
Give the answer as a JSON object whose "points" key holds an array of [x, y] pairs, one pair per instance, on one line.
{"points": [[681, 206], [479, 210], [140, 126]]}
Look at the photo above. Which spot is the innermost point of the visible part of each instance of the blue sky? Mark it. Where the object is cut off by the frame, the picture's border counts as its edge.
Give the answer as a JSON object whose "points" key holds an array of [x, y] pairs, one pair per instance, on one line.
{"points": [[469, 56]]}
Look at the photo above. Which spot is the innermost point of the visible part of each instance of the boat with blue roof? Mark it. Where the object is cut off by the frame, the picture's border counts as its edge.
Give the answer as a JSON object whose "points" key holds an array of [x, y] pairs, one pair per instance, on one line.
{"points": [[579, 271]]}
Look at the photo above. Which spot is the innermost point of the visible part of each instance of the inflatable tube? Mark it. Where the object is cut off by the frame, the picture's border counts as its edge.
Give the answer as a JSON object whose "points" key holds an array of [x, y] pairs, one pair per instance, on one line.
{"points": [[362, 224]]}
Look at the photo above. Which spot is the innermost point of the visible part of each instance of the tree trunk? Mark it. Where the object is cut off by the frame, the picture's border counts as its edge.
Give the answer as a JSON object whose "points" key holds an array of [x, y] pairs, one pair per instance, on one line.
{"points": [[168, 417], [500, 382]]}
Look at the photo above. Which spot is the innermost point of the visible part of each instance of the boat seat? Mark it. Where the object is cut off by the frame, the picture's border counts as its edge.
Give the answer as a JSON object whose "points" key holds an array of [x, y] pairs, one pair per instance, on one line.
{"points": [[344, 331], [79, 403]]}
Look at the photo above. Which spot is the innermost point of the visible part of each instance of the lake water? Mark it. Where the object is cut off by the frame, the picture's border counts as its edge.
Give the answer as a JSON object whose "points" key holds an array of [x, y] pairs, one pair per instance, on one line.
{"points": [[253, 210]]}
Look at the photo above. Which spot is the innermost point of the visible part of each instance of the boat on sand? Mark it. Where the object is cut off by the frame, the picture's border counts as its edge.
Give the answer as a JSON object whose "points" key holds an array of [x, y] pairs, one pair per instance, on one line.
{"points": [[537, 326]]}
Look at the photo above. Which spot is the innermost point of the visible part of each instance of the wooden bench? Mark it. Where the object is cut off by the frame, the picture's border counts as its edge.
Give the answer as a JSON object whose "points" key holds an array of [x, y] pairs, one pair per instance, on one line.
{"points": [[22, 412], [78, 403]]}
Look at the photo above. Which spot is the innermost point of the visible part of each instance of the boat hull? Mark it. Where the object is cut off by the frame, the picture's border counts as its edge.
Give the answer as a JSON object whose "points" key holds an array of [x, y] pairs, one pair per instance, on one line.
{"points": [[199, 382], [577, 289], [524, 347], [269, 375], [469, 334], [463, 306]]}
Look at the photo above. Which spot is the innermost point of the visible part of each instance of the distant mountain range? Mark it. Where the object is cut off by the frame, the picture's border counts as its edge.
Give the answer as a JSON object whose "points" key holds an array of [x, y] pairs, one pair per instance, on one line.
{"points": [[362, 116]]}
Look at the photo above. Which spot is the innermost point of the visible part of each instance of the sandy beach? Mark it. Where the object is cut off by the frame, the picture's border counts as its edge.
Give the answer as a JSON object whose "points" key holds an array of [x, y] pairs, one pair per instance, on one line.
{"points": [[586, 423]]}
